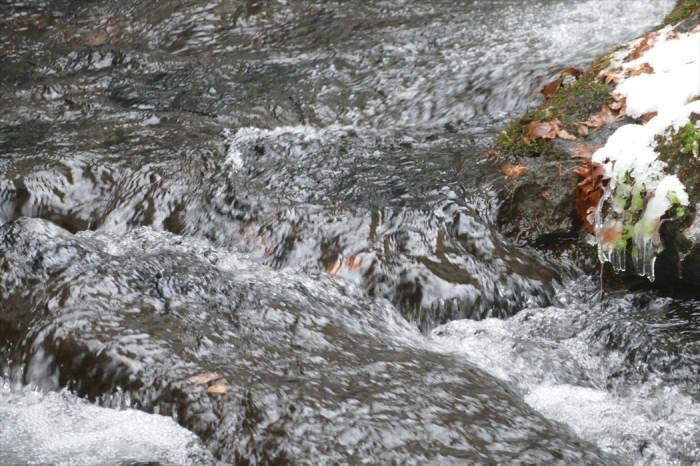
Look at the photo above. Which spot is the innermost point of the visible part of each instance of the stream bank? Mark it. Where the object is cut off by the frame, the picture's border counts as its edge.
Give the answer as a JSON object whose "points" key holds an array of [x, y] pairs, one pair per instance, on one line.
{"points": [[593, 153]]}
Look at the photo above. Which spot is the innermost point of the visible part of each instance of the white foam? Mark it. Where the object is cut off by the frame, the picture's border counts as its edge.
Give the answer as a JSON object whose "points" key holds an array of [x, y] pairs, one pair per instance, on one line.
{"points": [[60, 429], [546, 356]]}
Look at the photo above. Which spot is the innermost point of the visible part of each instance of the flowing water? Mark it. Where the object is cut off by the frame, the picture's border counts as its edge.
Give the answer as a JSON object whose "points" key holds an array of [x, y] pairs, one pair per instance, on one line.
{"points": [[295, 194]]}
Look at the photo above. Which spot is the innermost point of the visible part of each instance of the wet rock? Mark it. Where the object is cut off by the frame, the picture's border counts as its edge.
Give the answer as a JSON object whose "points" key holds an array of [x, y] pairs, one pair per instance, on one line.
{"points": [[537, 207], [318, 373]]}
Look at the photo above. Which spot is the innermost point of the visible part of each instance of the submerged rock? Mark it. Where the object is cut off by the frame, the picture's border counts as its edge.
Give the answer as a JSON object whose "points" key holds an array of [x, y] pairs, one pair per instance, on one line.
{"points": [[315, 372]]}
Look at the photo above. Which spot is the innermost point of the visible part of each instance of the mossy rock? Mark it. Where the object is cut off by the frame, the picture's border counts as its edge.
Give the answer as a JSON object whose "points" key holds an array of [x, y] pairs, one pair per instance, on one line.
{"points": [[545, 221], [575, 102]]}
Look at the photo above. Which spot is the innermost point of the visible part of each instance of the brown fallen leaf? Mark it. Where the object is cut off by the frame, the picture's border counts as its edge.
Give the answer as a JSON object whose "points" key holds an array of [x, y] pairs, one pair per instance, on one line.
{"points": [[218, 387], [513, 171], [609, 76], [492, 153], [582, 129], [648, 116], [646, 68], [545, 194], [585, 152], [589, 190], [341, 267], [542, 130], [646, 43], [673, 35], [566, 135], [603, 118], [551, 89], [620, 105], [205, 377]]}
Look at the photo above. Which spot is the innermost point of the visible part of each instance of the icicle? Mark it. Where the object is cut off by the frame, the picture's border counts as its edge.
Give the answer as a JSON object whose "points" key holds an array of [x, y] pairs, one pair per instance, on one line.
{"points": [[647, 245]]}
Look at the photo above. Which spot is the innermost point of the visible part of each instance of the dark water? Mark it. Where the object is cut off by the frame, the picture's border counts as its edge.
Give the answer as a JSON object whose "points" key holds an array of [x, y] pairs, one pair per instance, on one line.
{"points": [[295, 195]]}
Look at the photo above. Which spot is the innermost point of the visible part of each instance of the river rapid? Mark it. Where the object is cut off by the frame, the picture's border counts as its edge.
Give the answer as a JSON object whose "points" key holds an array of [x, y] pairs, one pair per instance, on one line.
{"points": [[295, 195]]}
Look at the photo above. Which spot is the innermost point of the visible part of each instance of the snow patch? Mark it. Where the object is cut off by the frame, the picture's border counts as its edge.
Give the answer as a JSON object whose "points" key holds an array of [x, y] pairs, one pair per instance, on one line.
{"points": [[640, 192]]}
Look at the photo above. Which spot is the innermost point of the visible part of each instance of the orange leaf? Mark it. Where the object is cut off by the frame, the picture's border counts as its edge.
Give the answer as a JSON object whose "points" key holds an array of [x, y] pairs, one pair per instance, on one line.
{"points": [[219, 387], [339, 268], [513, 171], [575, 72], [542, 130], [590, 190], [646, 68], [550, 89], [205, 377], [492, 153]]}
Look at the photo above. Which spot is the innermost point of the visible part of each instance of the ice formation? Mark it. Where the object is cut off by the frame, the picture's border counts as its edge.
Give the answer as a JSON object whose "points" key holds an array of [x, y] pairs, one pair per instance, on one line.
{"points": [[639, 192]]}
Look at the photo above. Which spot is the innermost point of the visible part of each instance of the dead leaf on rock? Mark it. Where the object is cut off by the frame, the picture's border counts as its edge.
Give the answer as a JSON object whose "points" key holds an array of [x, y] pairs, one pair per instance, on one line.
{"points": [[585, 152], [648, 116], [492, 153], [566, 135], [205, 377], [545, 194], [609, 76], [603, 118], [341, 267], [219, 387], [582, 129], [643, 46], [513, 171], [620, 105], [551, 89], [646, 68], [590, 190], [542, 130]]}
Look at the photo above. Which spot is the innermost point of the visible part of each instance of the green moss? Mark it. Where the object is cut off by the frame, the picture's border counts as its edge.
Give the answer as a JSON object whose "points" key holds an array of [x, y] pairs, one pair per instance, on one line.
{"points": [[684, 165], [682, 11], [575, 102]]}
